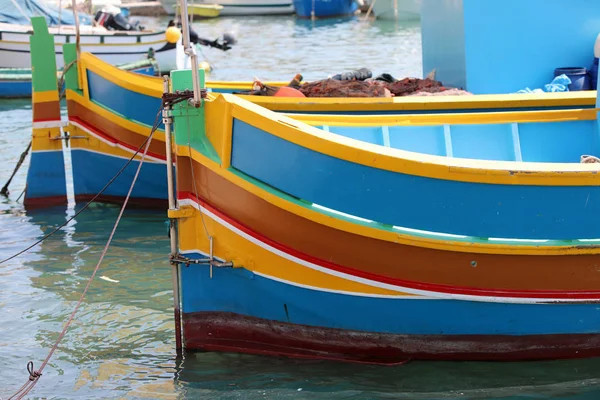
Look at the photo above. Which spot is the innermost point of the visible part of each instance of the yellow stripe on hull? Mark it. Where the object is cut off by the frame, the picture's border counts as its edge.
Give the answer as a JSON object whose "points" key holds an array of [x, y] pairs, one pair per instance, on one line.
{"points": [[44, 97], [43, 139]]}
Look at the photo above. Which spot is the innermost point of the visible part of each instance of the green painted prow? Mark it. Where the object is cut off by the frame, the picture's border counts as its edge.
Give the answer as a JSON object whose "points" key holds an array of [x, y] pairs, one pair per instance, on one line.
{"points": [[189, 123]]}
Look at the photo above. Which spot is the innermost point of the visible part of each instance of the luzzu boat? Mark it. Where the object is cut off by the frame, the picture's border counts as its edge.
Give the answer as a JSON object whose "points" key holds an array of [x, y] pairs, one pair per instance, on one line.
{"points": [[454, 236], [16, 82]]}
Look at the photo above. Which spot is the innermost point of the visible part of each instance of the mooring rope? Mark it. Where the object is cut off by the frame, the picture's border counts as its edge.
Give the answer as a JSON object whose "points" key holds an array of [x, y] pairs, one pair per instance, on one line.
{"points": [[34, 375], [61, 81], [156, 124], [4, 191]]}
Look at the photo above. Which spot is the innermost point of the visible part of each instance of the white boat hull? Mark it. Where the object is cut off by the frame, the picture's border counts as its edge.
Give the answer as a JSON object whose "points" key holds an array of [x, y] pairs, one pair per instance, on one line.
{"points": [[112, 47], [243, 7], [408, 10]]}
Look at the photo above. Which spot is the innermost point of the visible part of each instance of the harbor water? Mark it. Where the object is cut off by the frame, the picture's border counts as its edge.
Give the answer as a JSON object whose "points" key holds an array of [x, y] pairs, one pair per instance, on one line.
{"points": [[121, 343]]}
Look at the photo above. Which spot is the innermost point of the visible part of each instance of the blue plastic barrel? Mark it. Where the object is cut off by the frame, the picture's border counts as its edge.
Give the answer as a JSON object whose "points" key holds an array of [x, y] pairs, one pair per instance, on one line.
{"points": [[579, 77]]}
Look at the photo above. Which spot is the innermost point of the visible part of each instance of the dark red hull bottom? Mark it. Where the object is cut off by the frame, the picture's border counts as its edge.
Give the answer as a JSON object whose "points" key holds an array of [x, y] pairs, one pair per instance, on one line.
{"points": [[42, 202], [228, 332]]}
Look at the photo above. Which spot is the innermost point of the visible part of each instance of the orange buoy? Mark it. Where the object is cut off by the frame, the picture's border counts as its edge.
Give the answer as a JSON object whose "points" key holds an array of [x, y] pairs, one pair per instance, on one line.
{"points": [[286, 91]]}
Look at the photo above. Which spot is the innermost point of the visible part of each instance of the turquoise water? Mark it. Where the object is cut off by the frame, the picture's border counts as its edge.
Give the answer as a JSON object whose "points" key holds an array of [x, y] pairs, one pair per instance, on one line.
{"points": [[121, 344]]}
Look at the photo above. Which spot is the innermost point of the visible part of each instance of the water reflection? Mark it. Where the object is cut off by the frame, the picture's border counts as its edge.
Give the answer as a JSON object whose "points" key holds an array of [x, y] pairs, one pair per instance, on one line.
{"points": [[255, 375]]}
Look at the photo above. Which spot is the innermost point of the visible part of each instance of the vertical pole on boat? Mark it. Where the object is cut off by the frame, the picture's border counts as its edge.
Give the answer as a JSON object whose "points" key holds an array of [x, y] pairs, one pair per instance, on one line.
{"points": [[172, 222], [190, 51]]}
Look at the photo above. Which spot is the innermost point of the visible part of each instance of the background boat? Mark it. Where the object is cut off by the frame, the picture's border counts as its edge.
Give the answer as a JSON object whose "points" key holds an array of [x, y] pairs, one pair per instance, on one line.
{"points": [[111, 46], [243, 7], [324, 8], [204, 10], [16, 82]]}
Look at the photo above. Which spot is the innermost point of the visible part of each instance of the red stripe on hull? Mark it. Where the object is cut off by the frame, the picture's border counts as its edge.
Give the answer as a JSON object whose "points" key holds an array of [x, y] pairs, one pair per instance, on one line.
{"points": [[111, 139], [228, 332]]}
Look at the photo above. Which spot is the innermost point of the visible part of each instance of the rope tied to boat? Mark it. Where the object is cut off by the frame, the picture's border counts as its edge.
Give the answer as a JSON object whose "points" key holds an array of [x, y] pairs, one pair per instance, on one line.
{"points": [[61, 80], [4, 191]]}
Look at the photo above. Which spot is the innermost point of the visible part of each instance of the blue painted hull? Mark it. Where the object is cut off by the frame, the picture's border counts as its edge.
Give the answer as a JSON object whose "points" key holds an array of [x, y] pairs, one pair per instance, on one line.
{"points": [[46, 181], [22, 88], [240, 311], [92, 171], [132, 105], [324, 8]]}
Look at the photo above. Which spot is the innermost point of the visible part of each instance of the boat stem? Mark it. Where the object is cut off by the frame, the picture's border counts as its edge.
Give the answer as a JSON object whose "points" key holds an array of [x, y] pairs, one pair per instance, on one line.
{"points": [[172, 222]]}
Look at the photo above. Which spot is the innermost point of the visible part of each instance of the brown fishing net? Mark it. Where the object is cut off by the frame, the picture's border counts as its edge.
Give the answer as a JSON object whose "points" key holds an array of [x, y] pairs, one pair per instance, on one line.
{"points": [[360, 84], [335, 88]]}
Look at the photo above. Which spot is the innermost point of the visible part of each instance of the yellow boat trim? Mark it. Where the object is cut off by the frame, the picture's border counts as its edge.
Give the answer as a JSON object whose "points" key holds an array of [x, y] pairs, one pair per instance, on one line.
{"points": [[410, 163], [585, 114], [43, 97], [240, 85], [564, 99], [148, 85], [380, 234], [230, 246]]}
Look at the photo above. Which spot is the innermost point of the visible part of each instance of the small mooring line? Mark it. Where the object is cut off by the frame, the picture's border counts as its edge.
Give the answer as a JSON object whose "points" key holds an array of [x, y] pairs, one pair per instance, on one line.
{"points": [[156, 123], [34, 375], [4, 191]]}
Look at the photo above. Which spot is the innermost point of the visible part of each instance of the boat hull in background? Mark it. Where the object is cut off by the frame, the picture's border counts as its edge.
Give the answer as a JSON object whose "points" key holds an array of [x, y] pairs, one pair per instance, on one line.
{"points": [[325, 8]]}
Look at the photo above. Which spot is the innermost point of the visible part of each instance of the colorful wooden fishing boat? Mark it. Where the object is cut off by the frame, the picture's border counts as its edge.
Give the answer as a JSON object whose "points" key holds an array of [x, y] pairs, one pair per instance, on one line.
{"points": [[451, 236], [16, 82]]}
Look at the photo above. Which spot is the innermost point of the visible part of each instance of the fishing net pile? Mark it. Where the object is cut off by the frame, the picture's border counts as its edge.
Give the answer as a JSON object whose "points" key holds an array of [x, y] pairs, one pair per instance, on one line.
{"points": [[360, 83]]}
